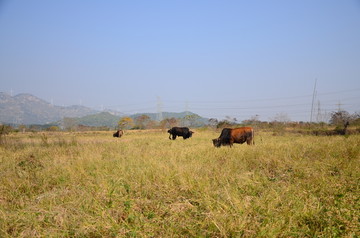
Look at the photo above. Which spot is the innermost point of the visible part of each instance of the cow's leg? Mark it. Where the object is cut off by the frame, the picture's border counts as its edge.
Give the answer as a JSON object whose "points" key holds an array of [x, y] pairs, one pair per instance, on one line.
{"points": [[174, 137], [231, 142], [250, 141]]}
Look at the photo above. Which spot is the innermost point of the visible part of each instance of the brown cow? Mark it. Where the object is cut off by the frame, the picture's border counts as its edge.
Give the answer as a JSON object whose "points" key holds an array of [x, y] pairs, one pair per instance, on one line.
{"points": [[230, 136], [118, 133]]}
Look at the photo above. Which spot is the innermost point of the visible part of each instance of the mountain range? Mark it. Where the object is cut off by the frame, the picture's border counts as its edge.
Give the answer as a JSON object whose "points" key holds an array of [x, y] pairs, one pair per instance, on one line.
{"points": [[28, 109]]}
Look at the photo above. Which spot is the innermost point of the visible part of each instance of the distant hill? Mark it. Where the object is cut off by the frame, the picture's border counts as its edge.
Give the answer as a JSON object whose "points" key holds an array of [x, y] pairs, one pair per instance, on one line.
{"points": [[99, 119], [28, 109]]}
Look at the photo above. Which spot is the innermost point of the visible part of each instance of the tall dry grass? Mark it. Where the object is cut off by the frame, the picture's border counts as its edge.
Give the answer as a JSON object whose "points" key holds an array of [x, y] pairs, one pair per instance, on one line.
{"points": [[145, 185]]}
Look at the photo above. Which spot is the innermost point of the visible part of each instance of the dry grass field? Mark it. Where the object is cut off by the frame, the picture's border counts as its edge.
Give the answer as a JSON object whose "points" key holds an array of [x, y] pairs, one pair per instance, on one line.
{"points": [[62, 184]]}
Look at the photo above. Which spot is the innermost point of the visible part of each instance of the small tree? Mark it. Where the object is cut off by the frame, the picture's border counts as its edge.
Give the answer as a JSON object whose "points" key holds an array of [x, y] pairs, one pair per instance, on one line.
{"points": [[53, 128], [224, 123], [254, 120], [279, 123], [168, 123], [190, 120], [70, 123], [356, 119], [4, 130], [142, 121], [340, 118], [213, 122], [282, 117], [125, 123], [230, 119], [22, 128], [152, 124]]}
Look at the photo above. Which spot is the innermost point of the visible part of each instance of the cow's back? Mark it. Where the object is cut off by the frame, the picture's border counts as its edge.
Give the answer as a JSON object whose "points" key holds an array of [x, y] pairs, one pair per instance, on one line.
{"points": [[242, 134], [180, 131]]}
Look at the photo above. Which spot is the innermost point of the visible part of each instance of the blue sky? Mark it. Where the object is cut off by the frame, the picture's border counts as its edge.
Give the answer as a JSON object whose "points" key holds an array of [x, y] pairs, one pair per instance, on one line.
{"points": [[215, 58]]}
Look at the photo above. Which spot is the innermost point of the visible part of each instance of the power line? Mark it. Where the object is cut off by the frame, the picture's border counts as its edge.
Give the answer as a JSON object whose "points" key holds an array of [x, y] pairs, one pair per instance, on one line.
{"points": [[241, 101], [267, 99], [294, 106]]}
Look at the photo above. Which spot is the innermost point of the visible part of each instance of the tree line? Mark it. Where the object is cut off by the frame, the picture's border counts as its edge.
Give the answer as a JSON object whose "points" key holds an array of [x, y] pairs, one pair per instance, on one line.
{"points": [[145, 122], [338, 119]]}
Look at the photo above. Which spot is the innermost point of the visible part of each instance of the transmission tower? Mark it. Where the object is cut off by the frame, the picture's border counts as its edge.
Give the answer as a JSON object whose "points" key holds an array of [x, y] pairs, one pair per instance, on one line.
{"points": [[159, 109], [318, 116], [312, 104], [186, 108], [339, 106]]}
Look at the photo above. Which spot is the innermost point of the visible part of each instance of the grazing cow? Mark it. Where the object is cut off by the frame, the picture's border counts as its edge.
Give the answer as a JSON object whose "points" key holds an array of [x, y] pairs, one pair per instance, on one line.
{"points": [[118, 133], [237, 135], [180, 131]]}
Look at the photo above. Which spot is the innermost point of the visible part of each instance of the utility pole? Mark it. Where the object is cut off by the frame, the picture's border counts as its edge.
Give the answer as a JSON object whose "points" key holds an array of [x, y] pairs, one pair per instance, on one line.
{"points": [[312, 104]]}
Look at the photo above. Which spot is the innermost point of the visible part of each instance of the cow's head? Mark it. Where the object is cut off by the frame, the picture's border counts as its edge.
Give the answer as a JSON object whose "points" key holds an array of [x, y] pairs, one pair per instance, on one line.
{"points": [[216, 142], [190, 133], [169, 131]]}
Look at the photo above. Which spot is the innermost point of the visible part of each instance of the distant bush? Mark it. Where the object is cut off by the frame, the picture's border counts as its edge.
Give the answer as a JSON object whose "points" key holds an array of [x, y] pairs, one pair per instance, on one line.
{"points": [[53, 128], [4, 130]]}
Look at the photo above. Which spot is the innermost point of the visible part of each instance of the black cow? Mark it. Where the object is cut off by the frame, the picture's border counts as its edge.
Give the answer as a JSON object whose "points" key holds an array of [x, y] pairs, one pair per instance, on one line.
{"points": [[118, 133], [180, 131]]}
